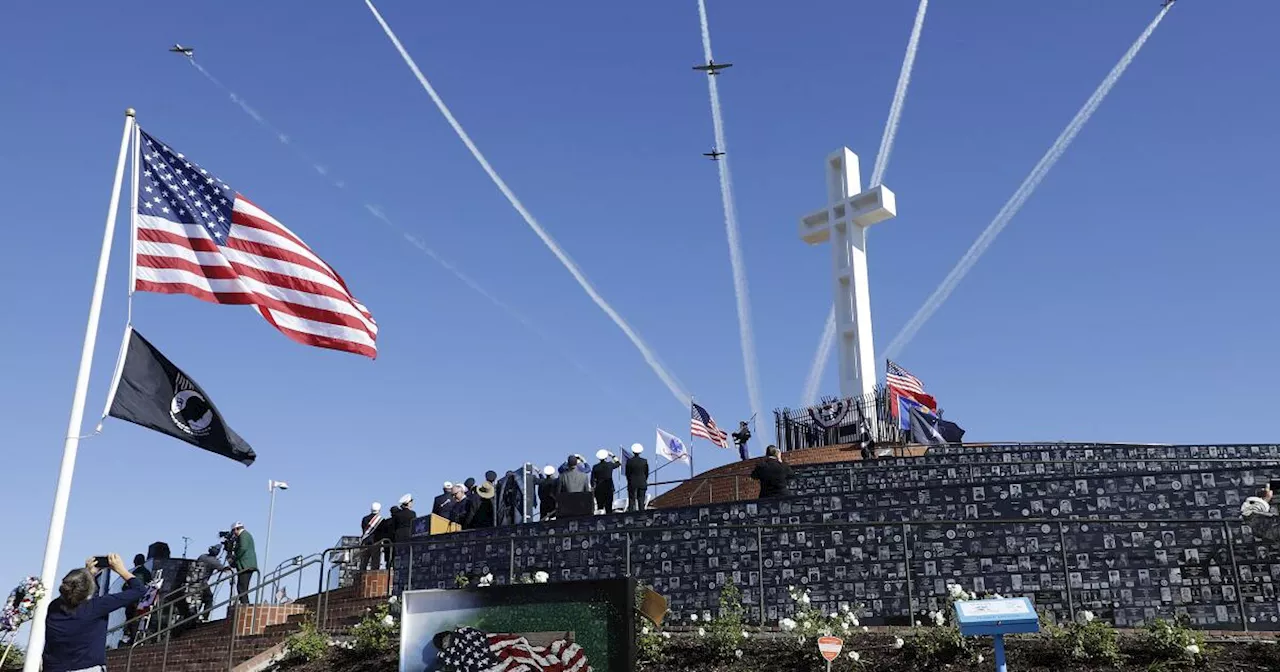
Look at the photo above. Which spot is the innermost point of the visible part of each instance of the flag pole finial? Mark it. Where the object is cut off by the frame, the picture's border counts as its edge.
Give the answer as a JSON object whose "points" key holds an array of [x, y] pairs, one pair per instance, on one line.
{"points": [[130, 112]]}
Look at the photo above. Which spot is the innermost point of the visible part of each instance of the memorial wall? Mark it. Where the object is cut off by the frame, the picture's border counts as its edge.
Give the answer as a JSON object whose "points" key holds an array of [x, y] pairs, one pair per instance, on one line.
{"points": [[1128, 532]]}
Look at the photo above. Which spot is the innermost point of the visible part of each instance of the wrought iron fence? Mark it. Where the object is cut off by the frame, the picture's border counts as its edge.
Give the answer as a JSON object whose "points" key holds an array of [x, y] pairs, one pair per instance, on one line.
{"points": [[867, 420]]}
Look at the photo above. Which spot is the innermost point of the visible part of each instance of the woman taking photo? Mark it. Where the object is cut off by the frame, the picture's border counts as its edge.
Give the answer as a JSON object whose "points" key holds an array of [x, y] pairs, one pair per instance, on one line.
{"points": [[76, 626]]}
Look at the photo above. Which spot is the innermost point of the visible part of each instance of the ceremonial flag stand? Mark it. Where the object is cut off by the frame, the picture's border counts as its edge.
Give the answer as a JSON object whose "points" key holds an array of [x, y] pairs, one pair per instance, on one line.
{"points": [[57, 523]]}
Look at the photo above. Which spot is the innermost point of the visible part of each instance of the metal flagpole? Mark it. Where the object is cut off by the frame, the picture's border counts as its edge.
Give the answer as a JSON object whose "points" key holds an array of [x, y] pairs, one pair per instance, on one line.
{"points": [[691, 438], [57, 523]]}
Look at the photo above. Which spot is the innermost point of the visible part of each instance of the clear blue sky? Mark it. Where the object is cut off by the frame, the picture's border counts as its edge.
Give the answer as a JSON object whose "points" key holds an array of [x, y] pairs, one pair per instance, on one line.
{"points": [[1128, 301]]}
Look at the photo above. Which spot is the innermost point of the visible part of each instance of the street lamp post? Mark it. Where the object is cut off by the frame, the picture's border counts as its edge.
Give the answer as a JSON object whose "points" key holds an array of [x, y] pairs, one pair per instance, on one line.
{"points": [[272, 486]]}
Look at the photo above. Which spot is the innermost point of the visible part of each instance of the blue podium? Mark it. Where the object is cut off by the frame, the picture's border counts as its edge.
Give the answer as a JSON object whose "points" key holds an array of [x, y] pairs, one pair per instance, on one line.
{"points": [[997, 618]]}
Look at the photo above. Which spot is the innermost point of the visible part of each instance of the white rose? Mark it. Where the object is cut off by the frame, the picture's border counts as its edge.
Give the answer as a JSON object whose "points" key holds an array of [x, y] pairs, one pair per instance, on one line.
{"points": [[854, 656], [805, 598], [980, 658], [844, 608], [866, 629], [898, 643], [644, 630], [955, 590], [393, 599], [787, 624], [706, 616], [693, 617], [540, 577], [834, 616], [666, 635], [737, 653], [745, 634], [388, 620], [1193, 649], [1087, 616], [702, 632]]}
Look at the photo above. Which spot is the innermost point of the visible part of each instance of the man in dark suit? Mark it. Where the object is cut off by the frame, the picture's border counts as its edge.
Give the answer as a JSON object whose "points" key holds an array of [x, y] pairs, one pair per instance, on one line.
{"points": [[637, 473], [773, 474], [602, 480], [548, 486], [442, 499]]}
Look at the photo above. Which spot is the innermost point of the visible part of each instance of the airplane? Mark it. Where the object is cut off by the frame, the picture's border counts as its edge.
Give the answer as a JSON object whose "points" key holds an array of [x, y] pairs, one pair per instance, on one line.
{"points": [[713, 68], [185, 51], [714, 155]]}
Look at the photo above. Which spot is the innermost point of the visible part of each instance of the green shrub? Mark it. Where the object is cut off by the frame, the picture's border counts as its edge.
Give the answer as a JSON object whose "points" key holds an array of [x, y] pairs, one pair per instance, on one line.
{"points": [[307, 644], [725, 632], [377, 632], [1173, 640], [1090, 640], [17, 656]]}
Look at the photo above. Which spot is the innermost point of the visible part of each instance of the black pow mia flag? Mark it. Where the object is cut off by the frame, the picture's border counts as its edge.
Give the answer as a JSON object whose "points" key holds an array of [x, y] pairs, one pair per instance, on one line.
{"points": [[155, 394]]}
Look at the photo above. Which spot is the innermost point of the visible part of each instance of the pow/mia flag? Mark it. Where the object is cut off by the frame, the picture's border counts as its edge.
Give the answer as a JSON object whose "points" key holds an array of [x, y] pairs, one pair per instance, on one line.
{"points": [[155, 394]]}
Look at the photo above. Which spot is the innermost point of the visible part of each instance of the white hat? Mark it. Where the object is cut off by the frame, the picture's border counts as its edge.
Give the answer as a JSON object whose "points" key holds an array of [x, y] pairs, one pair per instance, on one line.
{"points": [[549, 470], [602, 454], [238, 526], [375, 507], [406, 499], [637, 448], [448, 485]]}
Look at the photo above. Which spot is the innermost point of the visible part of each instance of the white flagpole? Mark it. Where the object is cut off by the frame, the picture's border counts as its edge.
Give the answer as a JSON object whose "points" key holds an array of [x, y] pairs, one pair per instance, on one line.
{"points": [[53, 548]]}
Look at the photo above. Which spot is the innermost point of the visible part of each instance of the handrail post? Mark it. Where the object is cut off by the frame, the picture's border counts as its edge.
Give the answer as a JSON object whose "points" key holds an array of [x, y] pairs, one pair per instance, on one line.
{"points": [[168, 636], [1066, 570], [511, 566], [1235, 573], [408, 572], [737, 489]]}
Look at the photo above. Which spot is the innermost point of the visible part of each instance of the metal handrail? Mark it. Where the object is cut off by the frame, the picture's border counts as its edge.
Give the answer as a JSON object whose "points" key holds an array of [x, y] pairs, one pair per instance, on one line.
{"points": [[167, 599], [234, 597]]}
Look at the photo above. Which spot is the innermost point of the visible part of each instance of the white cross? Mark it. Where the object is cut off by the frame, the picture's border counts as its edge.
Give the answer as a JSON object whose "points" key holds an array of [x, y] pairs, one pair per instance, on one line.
{"points": [[844, 222]]}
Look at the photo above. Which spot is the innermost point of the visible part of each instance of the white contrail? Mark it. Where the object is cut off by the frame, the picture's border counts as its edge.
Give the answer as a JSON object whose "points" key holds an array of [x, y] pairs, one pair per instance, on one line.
{"points": [[814, 380], [740, 290], [649, 356], [1020, 196], [899, 98], [418, 243], [828, 340]]}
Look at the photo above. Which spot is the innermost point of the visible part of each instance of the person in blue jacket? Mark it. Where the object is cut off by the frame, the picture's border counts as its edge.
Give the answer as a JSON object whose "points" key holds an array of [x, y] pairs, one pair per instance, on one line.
{"points": [[76, 625]]}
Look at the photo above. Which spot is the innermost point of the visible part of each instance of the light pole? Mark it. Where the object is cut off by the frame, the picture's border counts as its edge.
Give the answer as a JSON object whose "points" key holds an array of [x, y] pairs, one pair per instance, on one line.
{"points": [[272, 486]]}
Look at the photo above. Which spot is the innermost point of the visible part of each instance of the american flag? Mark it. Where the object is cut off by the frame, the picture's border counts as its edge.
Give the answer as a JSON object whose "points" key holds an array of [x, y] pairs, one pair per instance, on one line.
{"points": [[473, 651], [900, 379], [198, 236], [704, 426]]}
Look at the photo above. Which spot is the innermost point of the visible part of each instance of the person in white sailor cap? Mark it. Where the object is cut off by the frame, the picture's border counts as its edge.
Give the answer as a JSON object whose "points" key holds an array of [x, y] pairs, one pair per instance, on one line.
{"points": [[602, 480], [637, 475], [402, 516], [442, 499]]}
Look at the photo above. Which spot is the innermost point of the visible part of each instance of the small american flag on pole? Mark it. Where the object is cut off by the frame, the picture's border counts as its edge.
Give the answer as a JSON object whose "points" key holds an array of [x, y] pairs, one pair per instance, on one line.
{"points": [[704, 426], [196, 235], [899, 378]]}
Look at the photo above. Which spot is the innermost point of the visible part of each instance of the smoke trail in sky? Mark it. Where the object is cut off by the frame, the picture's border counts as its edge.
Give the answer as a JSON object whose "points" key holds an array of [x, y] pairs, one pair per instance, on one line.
{"points": [[814, 380], [745, 331], [650, 357], [899, 98], [417, 242], [1020, 196], [828, 340]]}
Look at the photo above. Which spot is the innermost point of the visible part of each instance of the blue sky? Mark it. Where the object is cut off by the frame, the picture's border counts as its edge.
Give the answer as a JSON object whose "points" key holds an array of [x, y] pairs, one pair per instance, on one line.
{"points": [[1121, 304]]}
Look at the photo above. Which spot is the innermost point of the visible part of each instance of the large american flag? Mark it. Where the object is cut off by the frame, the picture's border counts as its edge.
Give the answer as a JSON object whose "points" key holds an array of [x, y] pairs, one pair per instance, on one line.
{"points": [[198, 236], [471, 650], [704, 426]]}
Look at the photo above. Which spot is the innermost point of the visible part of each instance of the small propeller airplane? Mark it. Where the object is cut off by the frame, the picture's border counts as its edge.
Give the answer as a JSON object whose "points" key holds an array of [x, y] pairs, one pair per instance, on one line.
{"points": [[185, 51], [714, 154], [713, 68]]}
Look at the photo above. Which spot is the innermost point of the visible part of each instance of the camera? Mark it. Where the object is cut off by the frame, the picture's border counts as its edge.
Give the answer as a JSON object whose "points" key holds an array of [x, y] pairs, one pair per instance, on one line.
{"points": [[101, 562]]}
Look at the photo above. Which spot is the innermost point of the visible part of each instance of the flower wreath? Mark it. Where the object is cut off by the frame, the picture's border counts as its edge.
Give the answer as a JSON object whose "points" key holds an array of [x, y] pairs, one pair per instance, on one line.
{"points": [[21, 605]]}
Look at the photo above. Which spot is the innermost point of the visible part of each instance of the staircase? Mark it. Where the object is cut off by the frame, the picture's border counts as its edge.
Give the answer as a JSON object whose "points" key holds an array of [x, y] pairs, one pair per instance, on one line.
{"points": [[211, 646]]}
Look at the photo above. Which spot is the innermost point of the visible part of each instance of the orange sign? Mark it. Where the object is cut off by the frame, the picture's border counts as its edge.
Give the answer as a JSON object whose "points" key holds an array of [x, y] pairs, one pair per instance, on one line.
{"points": [[830, 647]]}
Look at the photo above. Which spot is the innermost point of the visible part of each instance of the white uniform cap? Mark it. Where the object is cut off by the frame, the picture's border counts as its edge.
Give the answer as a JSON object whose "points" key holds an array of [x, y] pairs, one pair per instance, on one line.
{"points": [[375, 507], [637, 448], [448, 485], [549, 470], [602, 454], [406, 499]]}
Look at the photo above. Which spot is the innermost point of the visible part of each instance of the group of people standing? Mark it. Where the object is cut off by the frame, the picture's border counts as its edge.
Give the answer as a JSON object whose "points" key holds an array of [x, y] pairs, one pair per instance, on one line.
{"points": [[568, 489]]}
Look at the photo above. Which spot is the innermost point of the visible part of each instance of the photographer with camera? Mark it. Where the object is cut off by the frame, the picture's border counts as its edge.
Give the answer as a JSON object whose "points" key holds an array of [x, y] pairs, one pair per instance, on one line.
{"points": [[76, 625]]}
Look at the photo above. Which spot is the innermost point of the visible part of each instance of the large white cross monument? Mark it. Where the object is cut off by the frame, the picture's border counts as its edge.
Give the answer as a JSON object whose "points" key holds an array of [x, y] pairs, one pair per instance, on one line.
{"points": [[844, 222]]}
